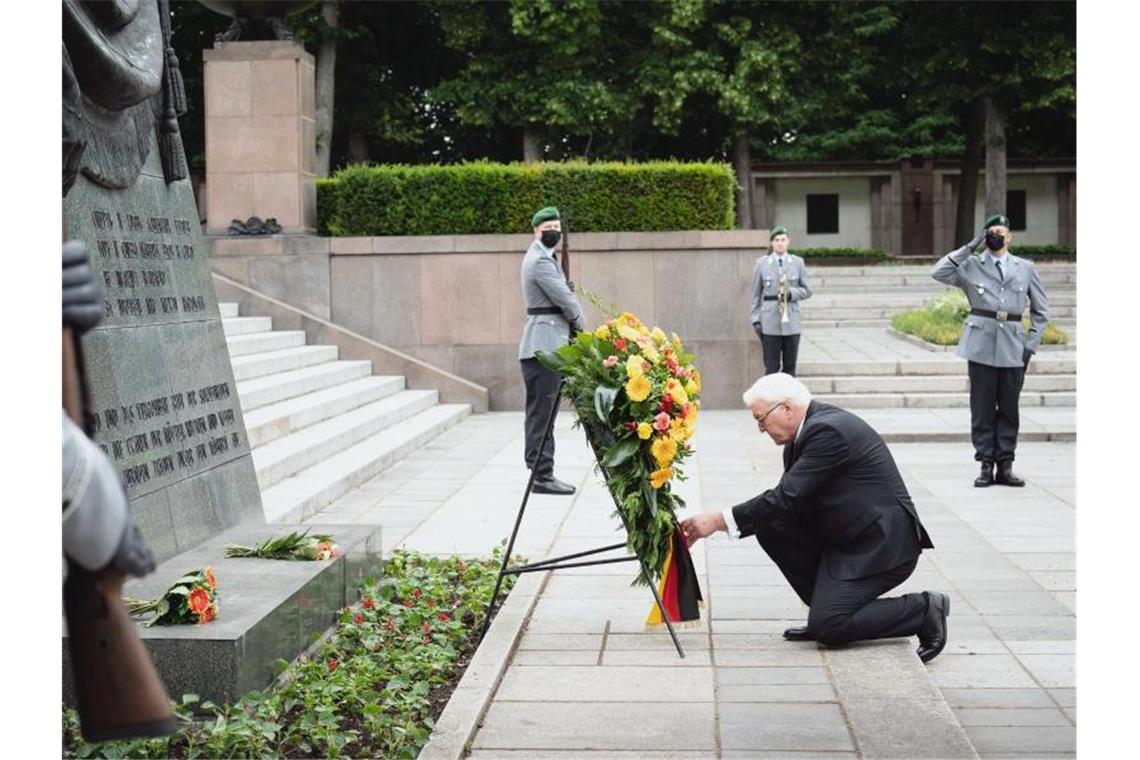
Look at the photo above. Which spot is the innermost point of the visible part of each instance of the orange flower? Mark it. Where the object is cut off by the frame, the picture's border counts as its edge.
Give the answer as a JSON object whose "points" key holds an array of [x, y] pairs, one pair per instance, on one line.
{"points": [[358, 619], [210, 613], [333, 663], [368, 603], [210, 578], [198, 601]]}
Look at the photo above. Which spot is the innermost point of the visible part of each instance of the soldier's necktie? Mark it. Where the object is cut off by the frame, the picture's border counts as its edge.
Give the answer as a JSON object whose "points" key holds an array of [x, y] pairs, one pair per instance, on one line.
{"points": [[780, 259], [1001, 275]]}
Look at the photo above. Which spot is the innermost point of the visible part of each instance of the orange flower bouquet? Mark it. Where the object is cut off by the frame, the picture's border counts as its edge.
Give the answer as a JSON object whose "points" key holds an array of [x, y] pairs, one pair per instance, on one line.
{"points": [[293, 546], [193, 599]]}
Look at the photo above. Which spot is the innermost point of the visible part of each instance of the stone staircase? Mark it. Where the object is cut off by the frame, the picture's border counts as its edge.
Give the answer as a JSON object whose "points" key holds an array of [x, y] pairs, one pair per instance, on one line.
{"points": [[870, 296], [319, 426]]}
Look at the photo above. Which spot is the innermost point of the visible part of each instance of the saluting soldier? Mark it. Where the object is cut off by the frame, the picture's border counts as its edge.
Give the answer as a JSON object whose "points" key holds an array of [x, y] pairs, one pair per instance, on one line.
{"points": [[552, 310], [776, 321], [1000, 288]]}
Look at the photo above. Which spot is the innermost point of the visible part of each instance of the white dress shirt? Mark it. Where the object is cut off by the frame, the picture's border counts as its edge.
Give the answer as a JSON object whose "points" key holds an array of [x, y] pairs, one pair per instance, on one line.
{"points": [[729, 520]]}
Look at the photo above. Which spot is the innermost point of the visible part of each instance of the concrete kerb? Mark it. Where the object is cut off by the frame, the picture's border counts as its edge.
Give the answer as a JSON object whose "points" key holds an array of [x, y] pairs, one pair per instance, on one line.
{"points": [[456, 727]]}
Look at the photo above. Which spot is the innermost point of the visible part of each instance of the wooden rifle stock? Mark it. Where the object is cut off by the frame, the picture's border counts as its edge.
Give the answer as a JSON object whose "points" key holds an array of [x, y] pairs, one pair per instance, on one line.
{"points": [[117, 690]]}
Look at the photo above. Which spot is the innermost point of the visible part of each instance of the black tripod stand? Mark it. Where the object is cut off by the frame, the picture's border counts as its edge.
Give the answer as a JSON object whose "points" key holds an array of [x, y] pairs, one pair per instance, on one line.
{"points": [[556, 563]]}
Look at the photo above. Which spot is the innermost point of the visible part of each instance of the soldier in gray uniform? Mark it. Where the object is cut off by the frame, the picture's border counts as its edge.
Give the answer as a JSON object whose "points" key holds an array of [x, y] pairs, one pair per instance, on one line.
{"points": [[1000, 287], [777, 337], [552, 310]]}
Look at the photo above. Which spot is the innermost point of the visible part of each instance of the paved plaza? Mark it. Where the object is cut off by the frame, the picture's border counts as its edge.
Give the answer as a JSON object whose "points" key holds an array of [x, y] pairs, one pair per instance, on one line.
{"points": [[586, 680]]}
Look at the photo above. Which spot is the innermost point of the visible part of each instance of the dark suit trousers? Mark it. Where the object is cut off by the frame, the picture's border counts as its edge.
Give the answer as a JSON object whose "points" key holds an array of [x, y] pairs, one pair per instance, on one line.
{"points": [[842, 611], [994, 416], [541, 387], [776, 347]]}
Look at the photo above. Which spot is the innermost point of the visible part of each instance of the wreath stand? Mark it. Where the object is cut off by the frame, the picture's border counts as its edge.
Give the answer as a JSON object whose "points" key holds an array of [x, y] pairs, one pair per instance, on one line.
{"points": [[557, 563]]}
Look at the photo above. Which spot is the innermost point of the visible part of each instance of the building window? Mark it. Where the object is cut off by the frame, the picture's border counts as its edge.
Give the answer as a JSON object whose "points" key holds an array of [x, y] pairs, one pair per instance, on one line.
{"points": [[1015, 209], [822, 213]]}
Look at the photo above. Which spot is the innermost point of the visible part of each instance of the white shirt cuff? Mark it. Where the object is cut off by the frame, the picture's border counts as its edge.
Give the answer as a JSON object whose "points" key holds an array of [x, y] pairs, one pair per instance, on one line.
{"points": [[730, 523]]}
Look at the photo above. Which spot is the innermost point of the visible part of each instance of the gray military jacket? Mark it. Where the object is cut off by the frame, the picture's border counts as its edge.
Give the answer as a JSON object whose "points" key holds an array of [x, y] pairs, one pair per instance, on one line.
{"points": [[985, 340], [766, 285], [544, 285]]}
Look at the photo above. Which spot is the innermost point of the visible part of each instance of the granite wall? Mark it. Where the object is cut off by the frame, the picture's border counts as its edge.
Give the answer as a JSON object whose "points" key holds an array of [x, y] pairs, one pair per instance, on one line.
{"points": [[456, 301]]}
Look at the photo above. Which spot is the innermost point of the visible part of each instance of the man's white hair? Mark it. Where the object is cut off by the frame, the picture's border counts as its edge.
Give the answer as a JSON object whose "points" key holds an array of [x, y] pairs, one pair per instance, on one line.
{"points": [[778, 387]]}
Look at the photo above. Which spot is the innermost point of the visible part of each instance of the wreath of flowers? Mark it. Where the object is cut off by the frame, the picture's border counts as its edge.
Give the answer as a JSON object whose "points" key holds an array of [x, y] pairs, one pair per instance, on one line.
{"points": [[637, 394]]}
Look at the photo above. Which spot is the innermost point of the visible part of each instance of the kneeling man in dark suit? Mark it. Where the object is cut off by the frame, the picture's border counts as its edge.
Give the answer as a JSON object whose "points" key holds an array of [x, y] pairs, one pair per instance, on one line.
{"points": [[840, 524]]}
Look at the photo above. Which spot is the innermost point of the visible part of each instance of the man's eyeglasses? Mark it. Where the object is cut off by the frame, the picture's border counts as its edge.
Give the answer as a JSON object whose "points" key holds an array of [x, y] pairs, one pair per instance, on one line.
{"points": [[764, 416]]}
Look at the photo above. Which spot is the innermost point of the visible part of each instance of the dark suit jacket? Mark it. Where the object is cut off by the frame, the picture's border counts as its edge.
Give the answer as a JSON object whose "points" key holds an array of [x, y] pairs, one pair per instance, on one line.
{"points": [[841, 483]]}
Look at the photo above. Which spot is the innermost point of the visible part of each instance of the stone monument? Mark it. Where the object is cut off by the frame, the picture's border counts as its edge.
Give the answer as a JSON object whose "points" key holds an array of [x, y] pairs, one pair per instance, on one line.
{"points": [[163, 402]]}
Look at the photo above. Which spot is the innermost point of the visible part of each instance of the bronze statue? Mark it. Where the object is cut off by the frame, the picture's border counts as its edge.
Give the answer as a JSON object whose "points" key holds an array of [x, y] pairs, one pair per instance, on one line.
{"points": [[248, 15]]}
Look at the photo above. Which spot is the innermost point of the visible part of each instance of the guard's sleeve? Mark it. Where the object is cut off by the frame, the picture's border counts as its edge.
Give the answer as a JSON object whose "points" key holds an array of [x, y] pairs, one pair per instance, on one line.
{"points": [[553, 283], [1038, 310], [757, 290], [947, 269], [822, 451], [95, 511], [801, 290]]}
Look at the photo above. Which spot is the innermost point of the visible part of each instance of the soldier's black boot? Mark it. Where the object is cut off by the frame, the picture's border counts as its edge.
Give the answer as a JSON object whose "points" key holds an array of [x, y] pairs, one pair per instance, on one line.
{"points": [[986, 476], [1005, 476]]}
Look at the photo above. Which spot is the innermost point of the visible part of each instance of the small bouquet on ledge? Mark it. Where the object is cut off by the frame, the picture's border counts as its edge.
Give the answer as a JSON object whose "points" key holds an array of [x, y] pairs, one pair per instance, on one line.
{"points": [[296, 545], [637, 394], [193, 599]]}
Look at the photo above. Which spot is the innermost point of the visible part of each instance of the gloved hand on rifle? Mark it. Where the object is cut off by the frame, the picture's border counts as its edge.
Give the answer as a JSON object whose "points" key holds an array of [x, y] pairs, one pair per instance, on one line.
{"points": [[82, 292]]}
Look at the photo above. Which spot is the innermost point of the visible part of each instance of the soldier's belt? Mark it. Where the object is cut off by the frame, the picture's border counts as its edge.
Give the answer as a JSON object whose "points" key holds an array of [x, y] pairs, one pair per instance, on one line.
{"points": [[771, 298], [1004, 316], [531, 310]]}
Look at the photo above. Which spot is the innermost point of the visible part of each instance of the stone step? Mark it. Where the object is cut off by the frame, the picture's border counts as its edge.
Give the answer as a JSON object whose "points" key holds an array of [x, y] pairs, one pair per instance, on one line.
{"points": [[1041, 365], [245, 325], [270, 389], [937, 400], [228, 310], [912, 384], [259, 343], [302, 495], [272, 362], [900, 300], [273, 421], [292, 453], [837, 313], [843, 282]]}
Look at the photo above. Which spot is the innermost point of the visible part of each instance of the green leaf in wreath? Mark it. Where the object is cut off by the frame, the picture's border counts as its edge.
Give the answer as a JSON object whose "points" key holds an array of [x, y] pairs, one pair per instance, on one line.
{"points": [[650, 497], [604, 401], [621, 452], [552, 360]]}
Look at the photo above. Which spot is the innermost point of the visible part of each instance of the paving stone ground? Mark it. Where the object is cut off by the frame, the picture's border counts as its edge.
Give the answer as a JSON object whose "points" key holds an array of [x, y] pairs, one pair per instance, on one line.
{"points": [[588, 681]]}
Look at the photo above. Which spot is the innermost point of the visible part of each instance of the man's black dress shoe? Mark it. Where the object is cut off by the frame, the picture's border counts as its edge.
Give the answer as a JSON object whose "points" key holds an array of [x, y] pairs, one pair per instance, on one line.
{"points": [[932, 635], [986, 476], [1005, 476], [799, 633], [553, 486]]}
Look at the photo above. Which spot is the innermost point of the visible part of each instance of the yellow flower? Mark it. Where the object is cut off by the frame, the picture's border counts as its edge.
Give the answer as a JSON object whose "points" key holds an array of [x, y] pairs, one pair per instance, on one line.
{"points": [[677, 343], [694, 381], [650, 353], [635, 366], [638, 388], [679, 430], [644, 430], [663, 450], [675, 391], [658, 478], [658, 335], [626, 331], [602, 333]]}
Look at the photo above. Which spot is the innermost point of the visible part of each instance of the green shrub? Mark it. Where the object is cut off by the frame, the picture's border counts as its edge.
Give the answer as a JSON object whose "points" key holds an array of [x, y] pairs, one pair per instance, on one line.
{"points": [[368, 691], [484, 197], [1039, 251], [826, 253], [942, 319]]}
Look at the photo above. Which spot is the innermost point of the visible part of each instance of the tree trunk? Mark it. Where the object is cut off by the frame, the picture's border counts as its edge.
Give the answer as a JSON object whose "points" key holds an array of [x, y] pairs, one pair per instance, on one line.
{"points": [[532, 151], [964, 228], [995, 159], [326, 87], [742, 165]]}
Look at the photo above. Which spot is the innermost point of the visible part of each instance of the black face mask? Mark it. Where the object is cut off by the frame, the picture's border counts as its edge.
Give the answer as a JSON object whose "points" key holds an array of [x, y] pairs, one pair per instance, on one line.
{"points": [[995, 241], [550, 238]]}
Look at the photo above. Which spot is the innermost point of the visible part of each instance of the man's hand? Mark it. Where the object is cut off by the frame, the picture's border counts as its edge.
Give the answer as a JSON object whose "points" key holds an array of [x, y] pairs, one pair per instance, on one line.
{"points": [[973, 244], [82, 293], [701, 526], [1025, 356]]}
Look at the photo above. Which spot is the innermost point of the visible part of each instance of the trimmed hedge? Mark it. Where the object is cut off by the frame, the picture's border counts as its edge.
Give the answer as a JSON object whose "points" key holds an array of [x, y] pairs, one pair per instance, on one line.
{"points": [[483, 197], [834, 253], [942, 320], [1038, 251]]}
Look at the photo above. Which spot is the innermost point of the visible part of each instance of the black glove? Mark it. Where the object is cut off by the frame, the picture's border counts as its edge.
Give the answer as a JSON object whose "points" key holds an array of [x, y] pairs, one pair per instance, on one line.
{"points": [[133, 557], [570, 284], [82, 293], [1025, 354], [973, 244]]}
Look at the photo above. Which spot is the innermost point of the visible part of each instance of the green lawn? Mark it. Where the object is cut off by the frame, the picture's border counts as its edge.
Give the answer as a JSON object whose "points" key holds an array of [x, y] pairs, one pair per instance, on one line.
{"points": [[941, 321]]}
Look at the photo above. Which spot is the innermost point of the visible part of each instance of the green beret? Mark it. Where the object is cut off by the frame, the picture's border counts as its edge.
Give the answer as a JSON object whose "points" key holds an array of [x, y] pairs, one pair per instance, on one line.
{"points": [[997, 220], [544, 215], [778, 231]]}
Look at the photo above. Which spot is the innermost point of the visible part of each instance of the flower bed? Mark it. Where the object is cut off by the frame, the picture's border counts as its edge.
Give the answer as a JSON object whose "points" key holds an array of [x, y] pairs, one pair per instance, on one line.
{"points": [[941, 321], [372, 688]]}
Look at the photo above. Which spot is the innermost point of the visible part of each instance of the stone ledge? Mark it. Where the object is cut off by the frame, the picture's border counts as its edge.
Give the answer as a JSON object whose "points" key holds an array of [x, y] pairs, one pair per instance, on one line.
{"points": [[580, 242], [469, 702], [268, 610], [258, 50]]}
